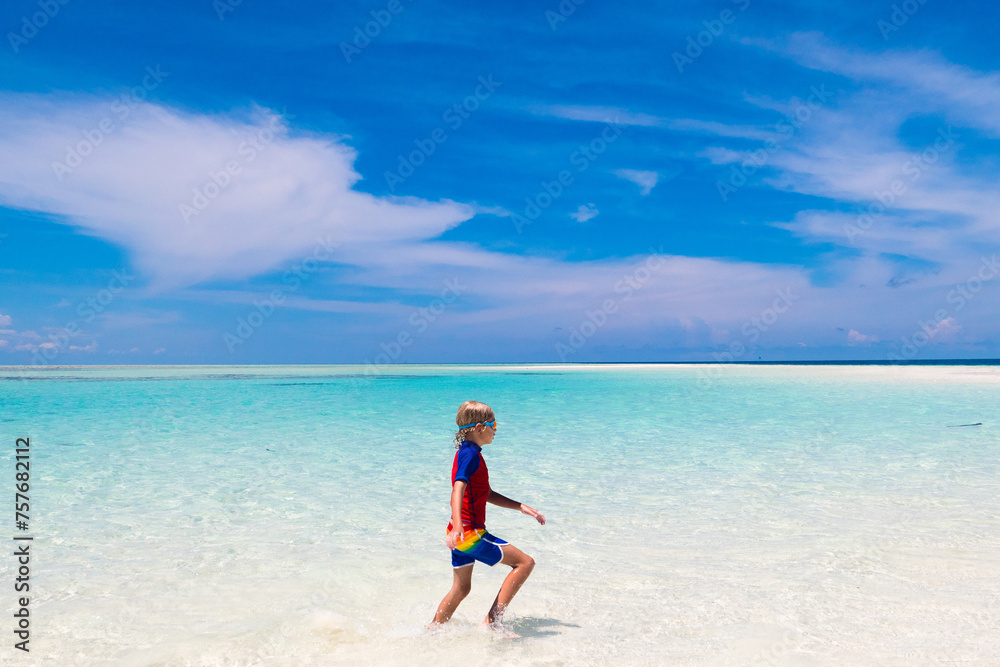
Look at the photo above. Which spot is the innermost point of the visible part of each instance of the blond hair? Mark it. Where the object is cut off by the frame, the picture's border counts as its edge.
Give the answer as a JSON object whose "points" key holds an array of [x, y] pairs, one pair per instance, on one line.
{"points": [[471, 412]]}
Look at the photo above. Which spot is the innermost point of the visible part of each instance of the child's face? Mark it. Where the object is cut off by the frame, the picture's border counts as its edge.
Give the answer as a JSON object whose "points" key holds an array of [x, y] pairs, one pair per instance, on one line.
{"points": [[483, 434]]}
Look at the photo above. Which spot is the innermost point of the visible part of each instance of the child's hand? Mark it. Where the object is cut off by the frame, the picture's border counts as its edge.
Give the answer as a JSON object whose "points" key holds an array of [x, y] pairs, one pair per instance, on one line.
{"points": [[533, 513], [453, 537]]}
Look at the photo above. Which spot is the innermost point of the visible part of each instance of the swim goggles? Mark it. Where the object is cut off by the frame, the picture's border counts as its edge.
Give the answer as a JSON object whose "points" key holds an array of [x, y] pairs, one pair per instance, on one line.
{"points": [[492, 424]]}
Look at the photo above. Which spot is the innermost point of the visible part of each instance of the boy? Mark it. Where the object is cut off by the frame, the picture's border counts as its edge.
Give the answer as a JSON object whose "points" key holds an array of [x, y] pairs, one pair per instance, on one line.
{"points": [[467, 535]]}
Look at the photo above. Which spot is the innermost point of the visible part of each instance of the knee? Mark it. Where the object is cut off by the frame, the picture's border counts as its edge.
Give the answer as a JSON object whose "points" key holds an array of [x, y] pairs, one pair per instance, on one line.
{"points": [[463, 590], [528, 564]]}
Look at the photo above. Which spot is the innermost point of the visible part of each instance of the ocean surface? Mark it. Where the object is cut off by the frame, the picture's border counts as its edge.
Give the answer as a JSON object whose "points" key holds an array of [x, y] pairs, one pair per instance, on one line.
{"points": [[295, 515]]}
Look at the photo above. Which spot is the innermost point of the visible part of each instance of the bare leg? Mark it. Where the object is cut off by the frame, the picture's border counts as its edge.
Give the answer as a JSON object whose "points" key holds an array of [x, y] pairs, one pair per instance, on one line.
{"points": [[460, 588], [521, 565]]}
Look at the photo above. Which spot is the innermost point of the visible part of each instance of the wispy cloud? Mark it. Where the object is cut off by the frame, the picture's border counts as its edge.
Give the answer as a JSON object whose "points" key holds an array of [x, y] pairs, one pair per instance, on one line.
{"points": [[966, 95], [925, 199], [717, 129], [595, 114], [620, 116], [646, 180]]}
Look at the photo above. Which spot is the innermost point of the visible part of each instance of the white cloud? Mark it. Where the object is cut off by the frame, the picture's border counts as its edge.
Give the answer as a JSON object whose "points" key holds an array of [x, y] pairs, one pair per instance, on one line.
{"points": [[5, 320], [290, 189], [646, 180], [858, 338], [585, 213], [31, 347], [945, 330], [32, 341], [86, 348]]}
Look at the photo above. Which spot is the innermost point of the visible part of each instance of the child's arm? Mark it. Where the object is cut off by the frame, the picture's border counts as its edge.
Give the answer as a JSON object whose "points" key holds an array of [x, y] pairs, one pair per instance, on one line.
{"points": [[457, 492], [503, 501]]}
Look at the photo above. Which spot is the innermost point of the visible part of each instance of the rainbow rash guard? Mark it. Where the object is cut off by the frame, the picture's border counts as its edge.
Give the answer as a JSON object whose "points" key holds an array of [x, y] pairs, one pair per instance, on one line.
{"points": [[476, 543]]}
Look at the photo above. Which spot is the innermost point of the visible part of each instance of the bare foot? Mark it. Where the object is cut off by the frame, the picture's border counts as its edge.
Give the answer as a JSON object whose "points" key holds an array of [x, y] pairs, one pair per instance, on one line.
{"points": [[498, 628]]}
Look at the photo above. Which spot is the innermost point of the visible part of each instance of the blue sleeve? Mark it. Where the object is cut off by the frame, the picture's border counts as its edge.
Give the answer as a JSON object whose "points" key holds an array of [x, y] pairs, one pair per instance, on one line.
{"points": [[468, 464]]}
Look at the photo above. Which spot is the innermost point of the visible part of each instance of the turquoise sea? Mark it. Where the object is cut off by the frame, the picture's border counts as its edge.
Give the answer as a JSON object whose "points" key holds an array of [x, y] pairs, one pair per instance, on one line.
{"points": [[295, 515]]}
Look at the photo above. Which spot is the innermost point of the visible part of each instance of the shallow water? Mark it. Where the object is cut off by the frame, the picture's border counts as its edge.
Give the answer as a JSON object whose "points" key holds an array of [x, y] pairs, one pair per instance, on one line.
{"points": [[696, 515]]}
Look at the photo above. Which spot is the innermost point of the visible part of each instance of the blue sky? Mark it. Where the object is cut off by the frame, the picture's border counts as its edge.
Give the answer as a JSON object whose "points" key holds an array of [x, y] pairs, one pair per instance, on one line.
{"points": [[191, 182]]}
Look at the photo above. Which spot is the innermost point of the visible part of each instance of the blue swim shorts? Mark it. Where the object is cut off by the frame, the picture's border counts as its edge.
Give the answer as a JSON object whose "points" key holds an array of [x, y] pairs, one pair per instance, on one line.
{"points": [[477, 545]]}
